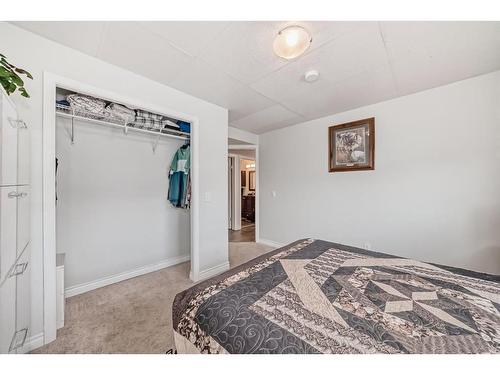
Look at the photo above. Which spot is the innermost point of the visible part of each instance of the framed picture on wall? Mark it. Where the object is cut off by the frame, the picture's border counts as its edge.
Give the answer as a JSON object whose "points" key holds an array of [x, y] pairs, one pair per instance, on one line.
{"points": [[352, 146]]}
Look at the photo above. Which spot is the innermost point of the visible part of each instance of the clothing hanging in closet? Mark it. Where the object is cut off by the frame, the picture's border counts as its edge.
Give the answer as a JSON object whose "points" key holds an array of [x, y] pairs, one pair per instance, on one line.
{"points": [[179, 190]]}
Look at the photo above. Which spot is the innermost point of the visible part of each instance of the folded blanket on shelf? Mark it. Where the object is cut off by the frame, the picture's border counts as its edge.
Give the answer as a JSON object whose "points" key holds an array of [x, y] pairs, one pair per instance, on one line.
{"points": [[145, 114], [152, 124], [148, 123], [86, 103], [167, 124], [120, 112]]}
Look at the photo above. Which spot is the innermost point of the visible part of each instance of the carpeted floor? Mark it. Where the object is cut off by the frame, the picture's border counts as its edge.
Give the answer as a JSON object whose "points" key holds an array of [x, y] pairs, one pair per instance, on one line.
{"points": [[135, 315]]}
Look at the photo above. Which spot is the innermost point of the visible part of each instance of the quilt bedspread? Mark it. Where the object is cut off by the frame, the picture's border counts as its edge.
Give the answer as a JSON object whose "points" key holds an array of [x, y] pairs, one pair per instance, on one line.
{"points": [[314, 296]]}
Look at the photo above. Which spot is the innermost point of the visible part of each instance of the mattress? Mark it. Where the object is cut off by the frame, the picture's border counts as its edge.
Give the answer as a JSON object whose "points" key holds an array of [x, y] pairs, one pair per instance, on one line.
{"points": [[314, 296]]}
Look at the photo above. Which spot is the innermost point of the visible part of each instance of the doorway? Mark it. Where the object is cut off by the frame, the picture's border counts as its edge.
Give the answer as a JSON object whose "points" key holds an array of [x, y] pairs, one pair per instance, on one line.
{"points": [[51, 83], [243, 194], [247, 176]]}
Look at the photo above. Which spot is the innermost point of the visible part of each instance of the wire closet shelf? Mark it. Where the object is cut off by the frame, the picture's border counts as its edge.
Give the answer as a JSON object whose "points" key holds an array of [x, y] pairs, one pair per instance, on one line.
{"points": [[77, 114]]}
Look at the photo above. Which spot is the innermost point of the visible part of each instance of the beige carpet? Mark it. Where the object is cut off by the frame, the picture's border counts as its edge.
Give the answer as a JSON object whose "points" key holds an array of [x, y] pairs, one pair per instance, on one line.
{"points": [[133, 316]]}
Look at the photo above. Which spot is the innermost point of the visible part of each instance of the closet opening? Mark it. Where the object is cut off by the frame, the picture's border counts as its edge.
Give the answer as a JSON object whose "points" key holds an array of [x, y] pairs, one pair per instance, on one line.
{"points": [[122, 200]]}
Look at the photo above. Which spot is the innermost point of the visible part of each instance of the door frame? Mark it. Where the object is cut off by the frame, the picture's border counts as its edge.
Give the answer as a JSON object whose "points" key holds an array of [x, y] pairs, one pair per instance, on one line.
{"points": [[257, 184], [235, 193], [50, 82], [230, 190]]}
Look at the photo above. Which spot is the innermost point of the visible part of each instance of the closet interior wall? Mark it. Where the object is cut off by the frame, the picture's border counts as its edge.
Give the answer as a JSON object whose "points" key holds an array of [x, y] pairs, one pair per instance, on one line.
{"points": [[113, 215]]}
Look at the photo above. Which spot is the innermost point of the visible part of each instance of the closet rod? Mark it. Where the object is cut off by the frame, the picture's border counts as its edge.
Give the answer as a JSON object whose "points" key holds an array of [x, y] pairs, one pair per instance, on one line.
{"points": [[122, 126]]}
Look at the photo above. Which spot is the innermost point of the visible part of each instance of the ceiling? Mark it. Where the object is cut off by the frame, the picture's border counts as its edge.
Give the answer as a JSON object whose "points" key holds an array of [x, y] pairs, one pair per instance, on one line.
{"points": [[232, 64]]}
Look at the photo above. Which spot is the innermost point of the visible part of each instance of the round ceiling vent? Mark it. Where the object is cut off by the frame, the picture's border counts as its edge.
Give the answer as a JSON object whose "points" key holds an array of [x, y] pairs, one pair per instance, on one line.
{"points": [[311, 76]]}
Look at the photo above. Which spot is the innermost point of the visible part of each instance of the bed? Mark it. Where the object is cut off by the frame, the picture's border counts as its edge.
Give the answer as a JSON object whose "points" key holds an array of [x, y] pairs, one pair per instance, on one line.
{"points": [[314, 296]]}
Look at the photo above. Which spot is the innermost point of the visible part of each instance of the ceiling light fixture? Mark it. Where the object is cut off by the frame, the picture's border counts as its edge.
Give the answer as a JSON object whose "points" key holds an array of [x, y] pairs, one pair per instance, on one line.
{"points": [[291, 42]]}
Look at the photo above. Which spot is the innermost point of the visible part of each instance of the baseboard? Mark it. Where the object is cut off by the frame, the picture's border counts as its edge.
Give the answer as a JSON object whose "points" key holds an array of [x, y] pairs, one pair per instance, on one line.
{"points": [[212, 271], [32, 343], [271, 243], [99, 283]]}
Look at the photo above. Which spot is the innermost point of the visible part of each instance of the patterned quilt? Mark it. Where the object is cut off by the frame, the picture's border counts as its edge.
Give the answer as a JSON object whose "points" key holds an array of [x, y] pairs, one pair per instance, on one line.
{"points": [[314, 296]]}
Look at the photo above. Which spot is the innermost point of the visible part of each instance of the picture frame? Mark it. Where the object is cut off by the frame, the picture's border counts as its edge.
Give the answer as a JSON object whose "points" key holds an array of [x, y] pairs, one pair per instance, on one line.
{"points": [[351, 146]]}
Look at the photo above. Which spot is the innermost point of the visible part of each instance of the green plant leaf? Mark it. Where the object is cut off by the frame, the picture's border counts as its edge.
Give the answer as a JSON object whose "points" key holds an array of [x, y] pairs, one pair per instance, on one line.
{"points": [[17, 80], [11, 88], [10, 80], [24, 92], [5, 65], [22, 71], [4, 72], [8, 64], [4, 84]]}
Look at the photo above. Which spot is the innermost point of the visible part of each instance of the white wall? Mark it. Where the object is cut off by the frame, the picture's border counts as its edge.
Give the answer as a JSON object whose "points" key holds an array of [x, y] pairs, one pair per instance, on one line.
{"points": [[113, 214], [243, 135], [434, 194], [37, 55]]}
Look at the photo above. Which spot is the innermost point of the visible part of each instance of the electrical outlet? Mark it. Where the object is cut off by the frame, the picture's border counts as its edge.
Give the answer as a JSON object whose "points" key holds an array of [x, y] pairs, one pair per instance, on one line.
{"points": [[367, 246]]}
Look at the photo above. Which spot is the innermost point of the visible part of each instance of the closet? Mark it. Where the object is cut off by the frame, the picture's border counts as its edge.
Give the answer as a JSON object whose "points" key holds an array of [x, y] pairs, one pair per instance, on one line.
{"points": [[116, 213], [15, 267]]}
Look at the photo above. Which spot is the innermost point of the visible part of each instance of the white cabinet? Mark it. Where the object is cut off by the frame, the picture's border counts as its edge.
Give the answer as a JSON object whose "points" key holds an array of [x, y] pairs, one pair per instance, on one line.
{"points": [[23, 217], [15, 141], [15, 295], [15, 305], [8, 229], [23, 299], [8, 313], [9, 126], [23, 154]]}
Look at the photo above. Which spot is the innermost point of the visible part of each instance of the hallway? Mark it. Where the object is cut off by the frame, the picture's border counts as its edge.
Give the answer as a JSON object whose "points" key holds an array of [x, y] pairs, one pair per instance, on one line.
{"points": [[246, 234]]}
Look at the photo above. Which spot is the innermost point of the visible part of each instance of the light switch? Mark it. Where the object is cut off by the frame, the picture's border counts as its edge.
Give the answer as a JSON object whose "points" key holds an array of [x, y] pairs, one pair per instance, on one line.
{"points": [[273, 193]]}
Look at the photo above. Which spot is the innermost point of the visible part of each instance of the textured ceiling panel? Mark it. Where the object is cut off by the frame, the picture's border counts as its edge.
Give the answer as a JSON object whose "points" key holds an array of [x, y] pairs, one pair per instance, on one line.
{"points": [[232, 64]]}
